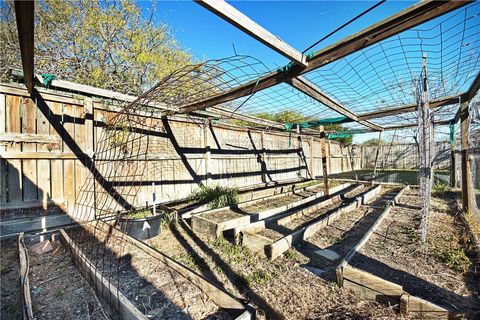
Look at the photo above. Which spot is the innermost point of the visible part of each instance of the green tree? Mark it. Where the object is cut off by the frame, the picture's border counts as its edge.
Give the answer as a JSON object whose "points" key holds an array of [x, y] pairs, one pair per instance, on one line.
{"points": [[109, 44], [373, 142]]}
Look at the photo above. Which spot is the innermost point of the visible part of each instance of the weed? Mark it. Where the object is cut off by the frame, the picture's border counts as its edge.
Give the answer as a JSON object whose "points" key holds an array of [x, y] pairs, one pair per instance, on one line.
{"points": [[259, 277], [216, 196], [292, 254], [455, 258], [235, 253], [410, 232], [439, 189], [187, 260]]}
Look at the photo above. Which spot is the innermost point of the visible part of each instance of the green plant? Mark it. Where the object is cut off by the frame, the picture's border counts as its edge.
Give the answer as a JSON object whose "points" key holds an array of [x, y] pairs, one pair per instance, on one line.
{"points": [[291, 254], [139, 214], [259, 276], [439, 189], [455, 258], [216, 196]]}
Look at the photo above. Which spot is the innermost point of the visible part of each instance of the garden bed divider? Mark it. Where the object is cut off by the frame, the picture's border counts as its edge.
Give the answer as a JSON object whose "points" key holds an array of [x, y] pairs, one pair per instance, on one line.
{"points": [[277, 248], [118, 306], [222, 298], [27, 311], [252, 195], [375, 288], [215, 229]]}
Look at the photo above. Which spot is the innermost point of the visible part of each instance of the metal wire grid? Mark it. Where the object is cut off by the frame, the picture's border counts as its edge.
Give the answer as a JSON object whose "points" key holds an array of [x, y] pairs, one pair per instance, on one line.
{"points": [[383, 75]]}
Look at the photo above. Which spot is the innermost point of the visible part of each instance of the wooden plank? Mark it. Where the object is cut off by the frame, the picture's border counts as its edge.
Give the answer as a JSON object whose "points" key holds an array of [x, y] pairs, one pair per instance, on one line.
{"points": [[69, 183], [43, 166], [244, 23], [56, 166], [372, 282], [24, 12], [324, 160], [29, 167], [45, 94], [34, 224], [32, 204], [107, 292], [390, 111], [27, 310], [29, 138], [393, 25], [3, 162], [468, 196], [413, 305], [14, 167], [311, 90], [256, 243], [368, 293], [222, 298]]}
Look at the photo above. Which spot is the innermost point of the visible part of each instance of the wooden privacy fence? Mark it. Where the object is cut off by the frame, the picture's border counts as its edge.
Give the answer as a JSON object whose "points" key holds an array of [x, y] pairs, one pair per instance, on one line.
{"points": [[48, 143]]}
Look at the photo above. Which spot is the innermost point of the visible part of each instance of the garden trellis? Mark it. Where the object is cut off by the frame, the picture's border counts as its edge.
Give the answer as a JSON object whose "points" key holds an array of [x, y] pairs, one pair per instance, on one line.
{"points": [[414, 74]]}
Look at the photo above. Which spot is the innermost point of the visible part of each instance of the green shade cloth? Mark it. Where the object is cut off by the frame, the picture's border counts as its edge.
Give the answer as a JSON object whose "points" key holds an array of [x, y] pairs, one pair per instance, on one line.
{"points": [[452, 133], [47, 78], [316, 123]]}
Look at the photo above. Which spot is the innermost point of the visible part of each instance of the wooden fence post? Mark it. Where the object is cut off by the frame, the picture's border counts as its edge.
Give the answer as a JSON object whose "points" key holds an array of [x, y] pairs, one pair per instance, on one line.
{"points": [[263, 158], [208, 155], [324, 159], [467, 188], [3, 163], [312, 174]]}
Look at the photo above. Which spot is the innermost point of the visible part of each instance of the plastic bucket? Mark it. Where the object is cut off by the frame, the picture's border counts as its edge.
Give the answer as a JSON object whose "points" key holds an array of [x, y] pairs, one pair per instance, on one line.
{"points": [[143, 228]]}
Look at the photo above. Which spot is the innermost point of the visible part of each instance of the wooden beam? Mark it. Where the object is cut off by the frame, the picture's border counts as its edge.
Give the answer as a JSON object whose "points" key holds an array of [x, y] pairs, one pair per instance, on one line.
{"points": [[404, 20], [29, 137], [467, 188], [244, 23], [407, 108], [312, 91], [24, 14]]}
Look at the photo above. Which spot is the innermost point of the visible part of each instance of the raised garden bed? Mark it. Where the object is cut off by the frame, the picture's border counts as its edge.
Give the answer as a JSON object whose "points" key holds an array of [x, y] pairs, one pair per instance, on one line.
{"points": [[390, 263], [158, 286], [188, 207], [276, 239], [214, 222], [56, 286]]}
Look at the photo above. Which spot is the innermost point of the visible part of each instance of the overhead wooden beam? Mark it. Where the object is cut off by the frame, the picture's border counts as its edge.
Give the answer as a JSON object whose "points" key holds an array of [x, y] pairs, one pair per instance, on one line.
{"points": [[312, 91], [24, 14], [407, 108], [244, 23], [403, 20]]}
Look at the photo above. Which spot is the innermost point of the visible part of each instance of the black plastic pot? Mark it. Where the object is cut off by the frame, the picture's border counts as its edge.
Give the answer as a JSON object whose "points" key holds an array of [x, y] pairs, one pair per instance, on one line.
{"points": [[143, 228]]}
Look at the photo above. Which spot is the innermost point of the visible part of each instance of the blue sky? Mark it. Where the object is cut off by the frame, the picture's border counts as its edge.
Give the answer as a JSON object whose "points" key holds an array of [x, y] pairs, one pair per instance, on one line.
{"points": [[299, 23]]}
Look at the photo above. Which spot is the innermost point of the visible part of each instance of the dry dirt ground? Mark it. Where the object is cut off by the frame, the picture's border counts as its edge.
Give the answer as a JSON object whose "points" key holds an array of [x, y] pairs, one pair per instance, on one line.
{"points": [[154, 288], [10, 293], [443, 273], [282, 289], [58, 290]]}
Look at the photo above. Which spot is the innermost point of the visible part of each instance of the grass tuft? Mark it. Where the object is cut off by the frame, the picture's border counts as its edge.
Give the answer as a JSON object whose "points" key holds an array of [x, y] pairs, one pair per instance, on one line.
{"points": [[216, 196]]}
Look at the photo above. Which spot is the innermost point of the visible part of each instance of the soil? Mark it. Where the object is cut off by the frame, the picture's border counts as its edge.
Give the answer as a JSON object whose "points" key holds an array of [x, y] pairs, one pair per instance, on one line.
{"points": [[343, 234], [281, 289], [58, 290], [154, 288], [11, 295], [276, 232], [442, 274]]}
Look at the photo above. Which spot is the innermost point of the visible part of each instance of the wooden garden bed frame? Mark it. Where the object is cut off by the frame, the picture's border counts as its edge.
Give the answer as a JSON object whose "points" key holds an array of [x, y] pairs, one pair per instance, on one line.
{"points": [[215, 229], [376, 288], [220, 297], [275, 248]]}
